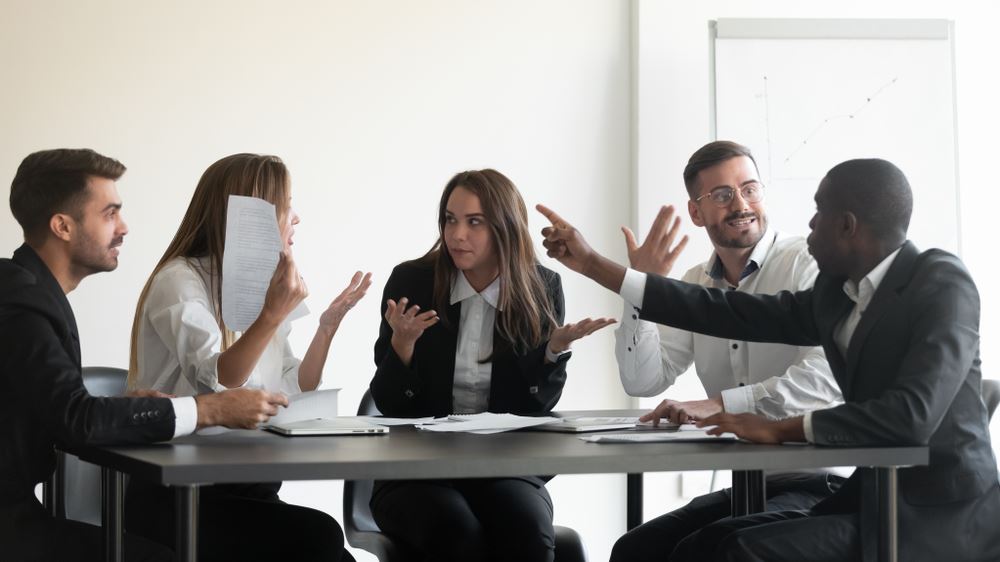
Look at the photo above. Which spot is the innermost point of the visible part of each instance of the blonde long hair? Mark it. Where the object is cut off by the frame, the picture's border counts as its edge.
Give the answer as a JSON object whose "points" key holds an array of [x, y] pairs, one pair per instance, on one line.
{"points": [[202, 232], [525, 316]]}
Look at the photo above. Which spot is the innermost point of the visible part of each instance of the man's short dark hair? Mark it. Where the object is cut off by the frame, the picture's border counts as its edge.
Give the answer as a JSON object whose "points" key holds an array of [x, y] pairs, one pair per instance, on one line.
{"points": [[709, 155], [876, 192], [55, 181]]}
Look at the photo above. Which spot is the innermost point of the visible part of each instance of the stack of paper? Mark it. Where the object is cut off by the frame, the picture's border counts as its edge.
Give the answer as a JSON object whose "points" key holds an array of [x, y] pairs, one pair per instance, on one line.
{"points": [[484, 423]]}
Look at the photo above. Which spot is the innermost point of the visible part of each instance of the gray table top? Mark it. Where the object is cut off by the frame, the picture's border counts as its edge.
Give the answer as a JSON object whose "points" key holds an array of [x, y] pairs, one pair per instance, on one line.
{"points": [[258, 456]]}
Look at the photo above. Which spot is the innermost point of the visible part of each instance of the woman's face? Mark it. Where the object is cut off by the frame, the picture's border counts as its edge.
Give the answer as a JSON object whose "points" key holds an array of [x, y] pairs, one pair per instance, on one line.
{"points": [[467, 235], [288, 225]]}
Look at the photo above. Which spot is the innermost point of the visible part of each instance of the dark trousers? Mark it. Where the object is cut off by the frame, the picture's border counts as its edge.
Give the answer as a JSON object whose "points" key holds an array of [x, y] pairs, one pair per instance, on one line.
{"points": [[238, 522], [657, 538], [29, 533], [474, 520]]}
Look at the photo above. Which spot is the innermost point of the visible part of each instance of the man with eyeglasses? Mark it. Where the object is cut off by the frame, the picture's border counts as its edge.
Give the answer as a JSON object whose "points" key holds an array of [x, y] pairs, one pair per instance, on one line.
{"points": [[726, 197]]}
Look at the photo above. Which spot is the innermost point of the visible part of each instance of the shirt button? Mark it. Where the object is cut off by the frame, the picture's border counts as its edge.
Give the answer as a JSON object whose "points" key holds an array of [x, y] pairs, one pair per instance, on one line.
{"points": [[635, 317], [736, 346], [630, 349]]}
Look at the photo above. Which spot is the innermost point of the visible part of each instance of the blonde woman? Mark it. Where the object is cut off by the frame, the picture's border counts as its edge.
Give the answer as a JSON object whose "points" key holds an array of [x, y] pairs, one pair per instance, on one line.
{"points": [[181, 346], [475, 325]]}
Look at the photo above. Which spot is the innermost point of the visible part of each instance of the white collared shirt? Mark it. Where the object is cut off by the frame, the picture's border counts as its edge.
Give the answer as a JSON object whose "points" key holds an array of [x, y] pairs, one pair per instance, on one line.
{"points": [[774, 380], [470, 392], [180, 340], [861, 294]]}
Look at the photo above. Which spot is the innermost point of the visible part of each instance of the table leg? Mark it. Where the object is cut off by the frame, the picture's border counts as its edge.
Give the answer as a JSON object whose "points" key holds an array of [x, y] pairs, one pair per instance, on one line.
{"points": [[633, 501], [113, 494], [749, 493], [187, 523], [888, 540]]}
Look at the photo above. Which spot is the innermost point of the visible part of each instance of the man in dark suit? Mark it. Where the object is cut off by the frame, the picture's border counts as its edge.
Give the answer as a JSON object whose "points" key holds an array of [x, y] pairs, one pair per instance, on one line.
{"points": [[68, 206], [901, 332]]}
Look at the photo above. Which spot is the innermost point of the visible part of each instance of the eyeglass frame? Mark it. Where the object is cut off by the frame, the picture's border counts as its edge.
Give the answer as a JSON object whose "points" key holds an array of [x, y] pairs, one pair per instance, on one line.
{"points": [[733, 191]]}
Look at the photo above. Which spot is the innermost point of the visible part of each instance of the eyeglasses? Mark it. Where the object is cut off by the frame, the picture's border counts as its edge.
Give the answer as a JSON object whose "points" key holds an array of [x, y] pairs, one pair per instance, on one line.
{"points": [[752, 192]]}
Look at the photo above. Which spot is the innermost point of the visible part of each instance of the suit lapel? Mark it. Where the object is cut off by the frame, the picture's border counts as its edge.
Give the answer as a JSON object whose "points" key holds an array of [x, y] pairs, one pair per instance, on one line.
{"points": [[885, 297]]}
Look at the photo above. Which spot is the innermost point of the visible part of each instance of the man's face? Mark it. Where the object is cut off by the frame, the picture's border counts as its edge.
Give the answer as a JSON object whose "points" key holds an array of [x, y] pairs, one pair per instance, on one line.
{"points": [[824, 240], [739, 223], [100, 229]]}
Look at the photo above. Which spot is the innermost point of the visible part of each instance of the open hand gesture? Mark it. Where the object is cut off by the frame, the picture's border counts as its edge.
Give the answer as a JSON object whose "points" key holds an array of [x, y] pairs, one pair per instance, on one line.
{"points": [[563, 336], [656, 255], [345, 301], [407, 324]]}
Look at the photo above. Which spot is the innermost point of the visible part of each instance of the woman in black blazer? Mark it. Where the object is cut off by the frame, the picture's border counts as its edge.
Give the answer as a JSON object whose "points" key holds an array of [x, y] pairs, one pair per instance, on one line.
{"points": [[473, 326]]}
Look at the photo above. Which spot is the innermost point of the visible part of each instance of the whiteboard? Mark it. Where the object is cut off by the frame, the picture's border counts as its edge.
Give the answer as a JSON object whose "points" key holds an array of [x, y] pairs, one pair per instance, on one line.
{"points": [[805, 95]]}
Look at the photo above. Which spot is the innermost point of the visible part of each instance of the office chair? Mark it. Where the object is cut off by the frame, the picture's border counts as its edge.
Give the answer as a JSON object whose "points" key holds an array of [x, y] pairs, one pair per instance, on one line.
{"points": [[991, 395], [362, 531], [74, 490]]}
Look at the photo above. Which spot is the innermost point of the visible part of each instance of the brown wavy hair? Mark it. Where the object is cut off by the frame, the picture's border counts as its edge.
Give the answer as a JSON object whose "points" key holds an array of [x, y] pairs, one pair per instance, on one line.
{"points": [[525, 318], [202, 232]]}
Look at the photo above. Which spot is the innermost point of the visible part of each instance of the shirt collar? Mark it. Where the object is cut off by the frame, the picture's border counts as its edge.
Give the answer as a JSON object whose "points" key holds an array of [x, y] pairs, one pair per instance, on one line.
{"points": [[864, 290], [716, 271], [461, 290]]}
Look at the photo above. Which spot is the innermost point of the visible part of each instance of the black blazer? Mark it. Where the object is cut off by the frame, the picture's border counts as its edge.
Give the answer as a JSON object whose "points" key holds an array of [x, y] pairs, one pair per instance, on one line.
{"points": [[911, 377], [520, 383], [45, 401]]}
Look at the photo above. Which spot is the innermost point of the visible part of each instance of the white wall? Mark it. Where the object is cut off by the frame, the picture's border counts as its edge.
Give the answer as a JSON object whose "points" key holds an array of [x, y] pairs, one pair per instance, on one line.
{"points": [[373, 105], [672, 94]]}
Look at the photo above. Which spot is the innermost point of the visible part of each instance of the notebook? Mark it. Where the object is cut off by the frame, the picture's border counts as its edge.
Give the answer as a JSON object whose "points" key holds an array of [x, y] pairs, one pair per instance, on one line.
{"points": [[327, 426]]}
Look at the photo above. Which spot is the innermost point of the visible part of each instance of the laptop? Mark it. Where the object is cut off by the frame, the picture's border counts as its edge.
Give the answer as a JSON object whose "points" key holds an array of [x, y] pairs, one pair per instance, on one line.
{"points": [[327, 426]]}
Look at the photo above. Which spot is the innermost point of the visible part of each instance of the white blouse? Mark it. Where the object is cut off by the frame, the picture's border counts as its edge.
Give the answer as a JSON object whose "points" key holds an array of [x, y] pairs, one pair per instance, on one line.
{"points": [[470, 393], [180, 340]]}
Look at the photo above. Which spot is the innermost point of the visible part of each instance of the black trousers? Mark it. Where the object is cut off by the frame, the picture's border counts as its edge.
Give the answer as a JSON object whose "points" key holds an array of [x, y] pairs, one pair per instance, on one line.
{"points": [[474, 520], [238, 522], [656, 539], [29, 533]]}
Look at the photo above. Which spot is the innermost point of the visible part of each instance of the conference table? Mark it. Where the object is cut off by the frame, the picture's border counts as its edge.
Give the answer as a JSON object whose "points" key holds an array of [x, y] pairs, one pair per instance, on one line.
{"points": [[406, 453]]}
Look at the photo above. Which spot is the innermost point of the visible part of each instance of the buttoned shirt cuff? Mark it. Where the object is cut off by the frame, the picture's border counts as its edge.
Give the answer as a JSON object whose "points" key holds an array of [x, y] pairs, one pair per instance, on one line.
{"points": [[807, 427], [185, 415], [633, 287], [738, 400], [554, 357]]}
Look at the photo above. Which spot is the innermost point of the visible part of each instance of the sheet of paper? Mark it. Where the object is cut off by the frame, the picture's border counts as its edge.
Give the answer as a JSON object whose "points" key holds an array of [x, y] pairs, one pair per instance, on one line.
{"points": [[658, 437], [484, 423], [308, 406], [253, 242]]}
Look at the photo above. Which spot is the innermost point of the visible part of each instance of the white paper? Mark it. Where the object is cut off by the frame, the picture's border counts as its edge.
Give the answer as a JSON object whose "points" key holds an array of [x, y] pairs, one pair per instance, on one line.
{"points": [[484, 423], [253, 243], [308, 406], [658, 437]]}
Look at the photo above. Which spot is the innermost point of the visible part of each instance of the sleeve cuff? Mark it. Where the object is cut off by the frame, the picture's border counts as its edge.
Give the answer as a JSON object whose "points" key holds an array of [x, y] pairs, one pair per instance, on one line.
{"points": [[738, 400], [553, 357], [807, 427], [633, 287], [185, 415]]}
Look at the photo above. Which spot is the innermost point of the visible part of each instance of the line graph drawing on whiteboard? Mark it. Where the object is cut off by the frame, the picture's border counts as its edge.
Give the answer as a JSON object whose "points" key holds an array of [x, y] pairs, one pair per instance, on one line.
{"points": [[805, 105], [823, 124]]}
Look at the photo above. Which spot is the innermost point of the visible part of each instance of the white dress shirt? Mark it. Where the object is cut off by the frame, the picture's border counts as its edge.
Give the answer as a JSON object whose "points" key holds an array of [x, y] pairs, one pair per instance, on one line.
{"points": [[774, 380], [861, 294], [180, 340], [470, 392]]}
